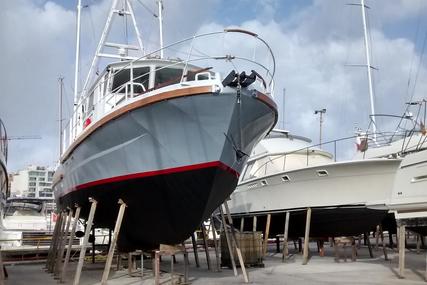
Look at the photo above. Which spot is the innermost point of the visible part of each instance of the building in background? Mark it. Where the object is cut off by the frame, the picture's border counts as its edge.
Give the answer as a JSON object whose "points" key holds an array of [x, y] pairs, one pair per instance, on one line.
{"points": [[32, 182]]}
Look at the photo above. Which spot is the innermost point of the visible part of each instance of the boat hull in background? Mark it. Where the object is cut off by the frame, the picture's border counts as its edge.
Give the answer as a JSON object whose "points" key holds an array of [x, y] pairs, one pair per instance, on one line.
{"points": [[347, 198], [325, 222]]}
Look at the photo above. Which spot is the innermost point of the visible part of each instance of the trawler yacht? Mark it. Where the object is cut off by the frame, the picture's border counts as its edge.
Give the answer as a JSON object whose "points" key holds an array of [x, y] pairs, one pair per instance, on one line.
{"points": [[169, 137]]}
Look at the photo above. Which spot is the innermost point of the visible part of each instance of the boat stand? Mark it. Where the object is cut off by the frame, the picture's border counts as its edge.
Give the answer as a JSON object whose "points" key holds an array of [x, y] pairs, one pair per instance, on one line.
{"points": [[114, 242], [344, 242], [169, 250], [368, 243], [216, 246], [196, 254], [233, 243], [205, 243], [70, 244], [267, 232], [419, 238], [285, 250], [401, 242], [306, 237], [3, 272], [377, 237], [254, 224], [50, 262], [89, 224], [383, 243], [62, 241]]}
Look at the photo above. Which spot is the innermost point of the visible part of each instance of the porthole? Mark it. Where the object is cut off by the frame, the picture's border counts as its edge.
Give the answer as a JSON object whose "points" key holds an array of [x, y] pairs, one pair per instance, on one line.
{"points": [[322, 173], [285, 178]]}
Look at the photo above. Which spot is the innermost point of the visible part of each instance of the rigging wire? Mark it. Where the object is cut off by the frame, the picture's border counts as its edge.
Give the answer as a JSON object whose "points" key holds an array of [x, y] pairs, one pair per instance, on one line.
{"points": [[92, 25], [411, 94], [419, 65], [148, 9], [415, 43]]}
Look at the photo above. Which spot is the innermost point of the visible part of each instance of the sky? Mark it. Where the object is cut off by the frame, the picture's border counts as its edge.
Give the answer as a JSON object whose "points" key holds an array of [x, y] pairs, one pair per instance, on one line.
{"points": [[314, 42]]}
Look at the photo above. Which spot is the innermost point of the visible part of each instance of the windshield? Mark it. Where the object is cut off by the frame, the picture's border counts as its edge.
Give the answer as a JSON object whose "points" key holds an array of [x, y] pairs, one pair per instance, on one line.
{"points": [[23, 209]]}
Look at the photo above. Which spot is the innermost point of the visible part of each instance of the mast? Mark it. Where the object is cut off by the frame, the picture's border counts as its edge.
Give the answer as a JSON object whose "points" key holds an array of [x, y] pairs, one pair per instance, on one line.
{"points": [[160, 5], [369, 67], [61, 84], [127, 10], [283, 108], [76, 71]]}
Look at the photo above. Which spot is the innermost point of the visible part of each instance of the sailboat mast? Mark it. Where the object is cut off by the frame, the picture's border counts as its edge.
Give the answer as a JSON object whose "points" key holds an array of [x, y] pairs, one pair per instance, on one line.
{"points": [[61, 84], [369, 67], [76, 71], [160, 5]]}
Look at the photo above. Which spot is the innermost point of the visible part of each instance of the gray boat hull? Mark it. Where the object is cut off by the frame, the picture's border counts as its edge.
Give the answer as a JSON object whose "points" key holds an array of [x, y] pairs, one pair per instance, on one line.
{"points": [[172, 162]]}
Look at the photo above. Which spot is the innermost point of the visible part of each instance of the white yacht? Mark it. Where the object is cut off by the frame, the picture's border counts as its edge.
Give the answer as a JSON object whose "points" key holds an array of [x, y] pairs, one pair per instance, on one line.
{"points": [[27, 222], [286, 173]]}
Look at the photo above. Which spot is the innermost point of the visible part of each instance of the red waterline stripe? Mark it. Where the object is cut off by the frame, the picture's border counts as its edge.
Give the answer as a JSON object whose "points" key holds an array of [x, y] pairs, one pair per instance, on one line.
{"points": [[218, 164]]}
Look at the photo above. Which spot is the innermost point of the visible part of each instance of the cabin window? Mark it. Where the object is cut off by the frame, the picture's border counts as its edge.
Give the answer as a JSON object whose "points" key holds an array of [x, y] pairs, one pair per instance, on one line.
{"points": [[247, 173], [167, 76], [121, 77], [140, 79], [141, 76]]}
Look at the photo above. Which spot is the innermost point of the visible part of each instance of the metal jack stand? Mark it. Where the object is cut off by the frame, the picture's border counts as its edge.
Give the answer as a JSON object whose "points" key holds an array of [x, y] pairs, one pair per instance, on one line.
{"points": [[70, 244], [113, 243], [232, 242], [85, 241]]}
